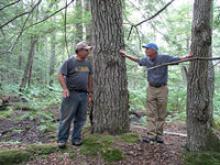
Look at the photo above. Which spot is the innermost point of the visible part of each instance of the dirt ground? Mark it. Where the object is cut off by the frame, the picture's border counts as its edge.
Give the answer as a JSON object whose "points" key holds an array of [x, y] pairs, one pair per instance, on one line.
{"points": [[25, 132]]}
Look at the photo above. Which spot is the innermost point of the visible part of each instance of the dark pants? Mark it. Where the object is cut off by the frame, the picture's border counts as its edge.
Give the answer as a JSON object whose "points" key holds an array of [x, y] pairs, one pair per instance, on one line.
{"points": [[73, 109]]}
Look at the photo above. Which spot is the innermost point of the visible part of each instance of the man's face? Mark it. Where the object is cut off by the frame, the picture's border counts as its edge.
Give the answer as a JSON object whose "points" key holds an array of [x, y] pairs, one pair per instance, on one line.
{"points": [[83, 53], [151, 53]]}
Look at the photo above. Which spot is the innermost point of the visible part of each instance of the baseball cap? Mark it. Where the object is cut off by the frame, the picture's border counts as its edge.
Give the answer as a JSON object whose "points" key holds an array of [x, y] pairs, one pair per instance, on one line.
{"points": [[151, 46], [83, 45]]}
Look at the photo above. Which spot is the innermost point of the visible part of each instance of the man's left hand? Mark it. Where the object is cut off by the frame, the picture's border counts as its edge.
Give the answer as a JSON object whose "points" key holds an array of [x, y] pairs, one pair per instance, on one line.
{"points": [[187, 56], [90, 98]]}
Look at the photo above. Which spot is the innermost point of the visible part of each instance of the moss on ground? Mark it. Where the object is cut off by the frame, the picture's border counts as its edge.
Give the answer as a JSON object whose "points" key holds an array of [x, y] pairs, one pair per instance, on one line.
{"points": [[24, 106], [42, 149], [213, 143], [70, 150], [208, 155], [14, 156], [129, 138], [112, 154], [6, 113], [93, 145], [202, 158], [102, 144]]}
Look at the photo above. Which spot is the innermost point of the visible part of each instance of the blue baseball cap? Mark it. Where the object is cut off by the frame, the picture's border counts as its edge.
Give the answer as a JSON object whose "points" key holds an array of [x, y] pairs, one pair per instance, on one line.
{"points": [[151, 46]]}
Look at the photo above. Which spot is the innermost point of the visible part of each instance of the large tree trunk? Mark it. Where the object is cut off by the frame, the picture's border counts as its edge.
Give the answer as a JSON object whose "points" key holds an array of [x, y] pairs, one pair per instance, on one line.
{"points": [[200, 86], [28, 69], [110, 80]]}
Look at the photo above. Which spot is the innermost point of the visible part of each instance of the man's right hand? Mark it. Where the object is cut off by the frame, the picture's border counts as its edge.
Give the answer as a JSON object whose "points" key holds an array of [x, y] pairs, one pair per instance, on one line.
{"points": [[122, 53], [66, 93]]}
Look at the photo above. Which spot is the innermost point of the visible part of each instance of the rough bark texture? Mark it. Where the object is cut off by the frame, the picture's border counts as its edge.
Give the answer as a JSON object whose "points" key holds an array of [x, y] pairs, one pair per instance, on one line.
{"points": [[28, 69], [88, 25], [110, 80], [199, 94], [79, 25], [211, 87], [52, 58]]}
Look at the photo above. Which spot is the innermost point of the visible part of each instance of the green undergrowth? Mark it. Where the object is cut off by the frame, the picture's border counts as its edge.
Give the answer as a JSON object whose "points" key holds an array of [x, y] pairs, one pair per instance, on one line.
{"points": [[93, 145], [202, 158], [96, 144], [15, 156]]}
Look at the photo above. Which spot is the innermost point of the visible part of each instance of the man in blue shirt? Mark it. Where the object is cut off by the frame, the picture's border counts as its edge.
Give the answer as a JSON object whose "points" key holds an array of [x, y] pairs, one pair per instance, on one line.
{"points": [[157, 91]]}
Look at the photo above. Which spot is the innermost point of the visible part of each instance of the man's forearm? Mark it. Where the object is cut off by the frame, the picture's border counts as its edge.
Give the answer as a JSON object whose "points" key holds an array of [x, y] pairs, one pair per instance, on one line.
{"points": [[62, 81], [186, 56], [132, 58], [90, 84]]}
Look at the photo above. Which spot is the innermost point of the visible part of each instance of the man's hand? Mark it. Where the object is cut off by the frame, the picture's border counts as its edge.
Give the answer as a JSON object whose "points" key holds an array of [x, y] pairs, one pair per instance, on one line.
{"points": [[187, 56], [122, 53], [190, 54], [66, 93], [90, 97]]}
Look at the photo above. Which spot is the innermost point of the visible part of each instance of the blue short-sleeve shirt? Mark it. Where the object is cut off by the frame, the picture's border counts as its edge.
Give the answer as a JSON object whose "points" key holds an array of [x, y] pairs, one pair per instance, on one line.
{"points": [[157, 76]]}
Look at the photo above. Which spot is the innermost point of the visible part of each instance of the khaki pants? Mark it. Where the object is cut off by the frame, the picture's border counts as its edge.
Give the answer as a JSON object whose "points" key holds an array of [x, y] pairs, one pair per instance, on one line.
{"points": [[156, 109]]}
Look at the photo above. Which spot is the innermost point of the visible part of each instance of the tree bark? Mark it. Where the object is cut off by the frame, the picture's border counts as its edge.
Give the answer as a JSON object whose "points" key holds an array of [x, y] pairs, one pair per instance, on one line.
{"points": [[28, 69], [88, 26], [110, 80], [199, 93], [79, 25], [52, 58]]}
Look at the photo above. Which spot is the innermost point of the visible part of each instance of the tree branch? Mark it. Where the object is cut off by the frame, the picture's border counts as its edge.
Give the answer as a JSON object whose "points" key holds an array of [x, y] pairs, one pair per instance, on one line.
{"points": [[10, 4], [20, 15], [185, 60], [20, 33], [46, 18], [150, 18], [65, 17]]}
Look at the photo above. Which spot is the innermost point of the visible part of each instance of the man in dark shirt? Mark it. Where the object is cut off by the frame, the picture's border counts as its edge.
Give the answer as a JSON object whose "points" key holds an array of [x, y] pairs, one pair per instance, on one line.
{"points": [[75, 77], [157, 91]]}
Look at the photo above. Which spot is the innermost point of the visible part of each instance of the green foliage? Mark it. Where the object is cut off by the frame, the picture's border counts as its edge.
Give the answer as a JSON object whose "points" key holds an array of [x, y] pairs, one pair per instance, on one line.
{"points": [[129, 138], [6, 113], [101, 144], [202, 158], [137, 99], [41, 149], [94, 144], [111, 155], [14, 156]]}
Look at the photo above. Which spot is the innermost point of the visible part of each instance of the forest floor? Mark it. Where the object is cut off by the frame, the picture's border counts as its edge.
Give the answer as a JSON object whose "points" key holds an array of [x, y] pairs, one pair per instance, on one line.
{"points": [[22, 140]]}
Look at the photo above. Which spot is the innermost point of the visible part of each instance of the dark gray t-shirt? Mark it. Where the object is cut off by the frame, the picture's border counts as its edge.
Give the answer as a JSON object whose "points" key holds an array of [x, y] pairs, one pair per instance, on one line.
{"points": [[157, 76], [76, 73]]}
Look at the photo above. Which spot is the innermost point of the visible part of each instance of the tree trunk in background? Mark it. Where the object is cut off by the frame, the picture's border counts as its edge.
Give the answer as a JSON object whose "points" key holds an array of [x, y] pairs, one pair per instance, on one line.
{"points": [[199, 95], [89, 31], [52, 58], [28, 69], [78, 26], [211, 86], [88, 25], [110, 79], [211, 76], [20, 58]]}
